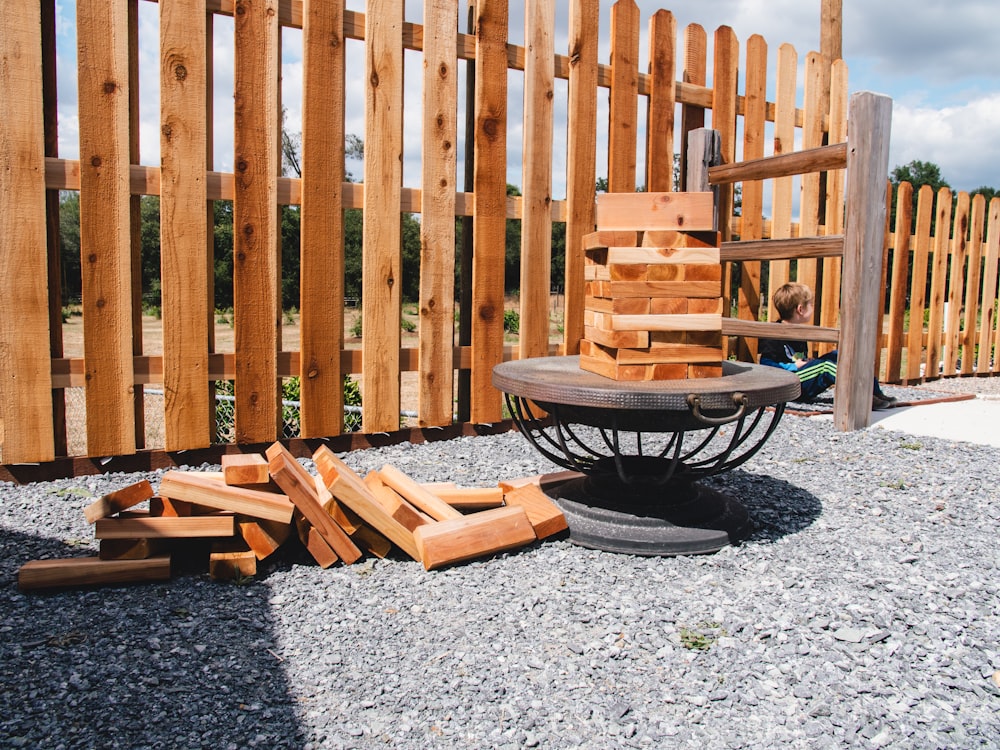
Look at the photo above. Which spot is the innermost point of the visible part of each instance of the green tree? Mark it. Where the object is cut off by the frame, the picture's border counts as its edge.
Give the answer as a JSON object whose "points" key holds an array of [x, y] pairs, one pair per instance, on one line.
{"points": [[917, 173], [69, 241]]}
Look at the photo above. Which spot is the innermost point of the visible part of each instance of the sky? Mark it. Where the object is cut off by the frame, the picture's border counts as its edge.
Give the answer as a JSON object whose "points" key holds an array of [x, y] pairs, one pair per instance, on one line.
{"points": [[939, 61]]}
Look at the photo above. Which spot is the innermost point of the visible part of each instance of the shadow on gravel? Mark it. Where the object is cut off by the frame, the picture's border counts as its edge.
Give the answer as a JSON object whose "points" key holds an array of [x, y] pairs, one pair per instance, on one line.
{"points": [[185, 663], [777, 508]]}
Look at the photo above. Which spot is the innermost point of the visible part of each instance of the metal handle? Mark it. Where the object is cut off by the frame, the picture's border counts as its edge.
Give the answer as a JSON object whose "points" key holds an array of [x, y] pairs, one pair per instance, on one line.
{"points": [[739, 399]]}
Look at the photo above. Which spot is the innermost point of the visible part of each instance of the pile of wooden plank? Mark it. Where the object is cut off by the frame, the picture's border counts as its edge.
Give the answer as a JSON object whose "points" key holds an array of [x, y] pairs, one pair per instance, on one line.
{"points": [[653, 274], [257, 503]]}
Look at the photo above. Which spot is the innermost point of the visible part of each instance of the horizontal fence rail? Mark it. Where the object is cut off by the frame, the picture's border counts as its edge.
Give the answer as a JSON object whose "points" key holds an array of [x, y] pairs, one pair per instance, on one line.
{"points": [[934, 275]]}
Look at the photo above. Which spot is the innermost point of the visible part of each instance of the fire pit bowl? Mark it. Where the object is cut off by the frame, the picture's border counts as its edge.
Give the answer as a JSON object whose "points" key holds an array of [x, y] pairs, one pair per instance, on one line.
{"points": [[639, 492]]}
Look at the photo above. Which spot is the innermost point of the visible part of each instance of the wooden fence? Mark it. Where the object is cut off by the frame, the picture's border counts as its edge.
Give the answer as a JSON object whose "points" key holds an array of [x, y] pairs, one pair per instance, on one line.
{"points": [[114, 368]]}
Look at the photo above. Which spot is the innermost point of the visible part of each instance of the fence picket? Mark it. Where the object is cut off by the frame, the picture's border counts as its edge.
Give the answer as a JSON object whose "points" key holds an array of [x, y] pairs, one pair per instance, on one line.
{"points": [[809, 206], [939, 276], [970, 315], [779, 271], [989, 340], [918, 291], [956, 290], [899, 275], [829, 315], [662, 103], [624, 97]]}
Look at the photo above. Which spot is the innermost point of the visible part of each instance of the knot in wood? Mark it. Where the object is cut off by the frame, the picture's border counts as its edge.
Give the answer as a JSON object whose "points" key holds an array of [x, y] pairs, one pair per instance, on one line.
{"points": [[109, 87], [95, 161], [180, 72]]}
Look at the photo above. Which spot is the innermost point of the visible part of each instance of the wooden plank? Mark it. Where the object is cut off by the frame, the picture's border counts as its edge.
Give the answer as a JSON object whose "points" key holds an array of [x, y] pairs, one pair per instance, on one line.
{"points": [[809, 197], [118, 500], [352, 491], [536, 210], [829, 315], [870, 117], [898, 291], [300, 486], [624, 97], [544, 515], [631, 339], [190, 487], [489, 221], [394, 504], [188, 421], [245, 468], [437, 219], [989, 343], [382, 248], [545, 482], [262, 536], [477, 535], [660, 289], [663, 322], [105, 238], [939, 276], [725, 72], [416, 495], [655, 211], [804, 161], [784, 143], [973, 277], [959, 251], [154, 527], [694, 72], [661, 103], [664, 255], [793, 247], [784, 331], [170, 508], [918, 291], [26, 411], [90, 571], [469, 499], [581, 157], [321, 291], [231, 560], [314, 542], [256, 297]]}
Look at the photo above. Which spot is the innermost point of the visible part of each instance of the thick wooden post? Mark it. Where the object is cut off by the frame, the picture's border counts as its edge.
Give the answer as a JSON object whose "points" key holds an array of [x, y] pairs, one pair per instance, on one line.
{"points": [[870, 118]]}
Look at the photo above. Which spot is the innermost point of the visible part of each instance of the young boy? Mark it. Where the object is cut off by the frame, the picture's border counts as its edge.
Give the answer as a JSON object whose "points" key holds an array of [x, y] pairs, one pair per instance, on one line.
{"points": [[794, 303]]}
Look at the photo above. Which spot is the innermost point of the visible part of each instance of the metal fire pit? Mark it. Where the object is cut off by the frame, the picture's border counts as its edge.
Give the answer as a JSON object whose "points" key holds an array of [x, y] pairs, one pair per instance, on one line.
{"points": [[630, 439]]}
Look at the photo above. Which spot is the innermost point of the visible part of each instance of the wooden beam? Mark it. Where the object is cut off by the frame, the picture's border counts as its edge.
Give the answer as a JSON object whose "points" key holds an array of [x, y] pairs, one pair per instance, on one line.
{"points": [[90, 571], [821, 159]]}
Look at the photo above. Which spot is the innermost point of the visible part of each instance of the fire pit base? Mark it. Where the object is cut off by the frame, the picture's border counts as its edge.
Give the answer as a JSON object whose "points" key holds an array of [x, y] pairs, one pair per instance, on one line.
{"points": [[681, 518]]}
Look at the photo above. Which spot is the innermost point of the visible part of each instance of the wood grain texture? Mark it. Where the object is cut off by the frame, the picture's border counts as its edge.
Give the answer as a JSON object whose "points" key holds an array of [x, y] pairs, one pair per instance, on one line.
{"points": [[624, 96], [477, 535], [662, 102], [90, 571], [192, 488]]}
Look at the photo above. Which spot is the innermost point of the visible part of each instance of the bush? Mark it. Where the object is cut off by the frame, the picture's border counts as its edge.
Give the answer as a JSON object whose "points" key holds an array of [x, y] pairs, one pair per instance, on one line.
{"points": [[511, 321]]}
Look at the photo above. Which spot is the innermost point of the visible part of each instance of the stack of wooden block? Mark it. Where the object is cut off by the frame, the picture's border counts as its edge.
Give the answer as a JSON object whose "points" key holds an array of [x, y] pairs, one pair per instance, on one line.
{"points": [[653, 288], [246, 512]]}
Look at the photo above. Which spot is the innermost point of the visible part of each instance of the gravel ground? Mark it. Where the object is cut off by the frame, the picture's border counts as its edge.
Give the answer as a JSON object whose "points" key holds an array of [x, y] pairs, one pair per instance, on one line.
{"points": [[862, 612]]}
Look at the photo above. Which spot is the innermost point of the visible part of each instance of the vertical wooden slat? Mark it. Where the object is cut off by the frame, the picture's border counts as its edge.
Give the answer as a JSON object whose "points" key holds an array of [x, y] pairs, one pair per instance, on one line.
{"points": [[50, 106], [102, 42], [918, 286], [834, 209], [956, 283], [784, 143], [695, 71], [725, 72], [581, 160], [898, 282], [491, 207], [437, 225], [382, 249], [973, 276], [135, 212], [624, 103], [183, 225], [662, 102], [209, 24], [868, 163], [25, 371], [536, 206], [988, 349], [255, 220], [939, 280], [321, 292], [812, 137], [752, 224]]}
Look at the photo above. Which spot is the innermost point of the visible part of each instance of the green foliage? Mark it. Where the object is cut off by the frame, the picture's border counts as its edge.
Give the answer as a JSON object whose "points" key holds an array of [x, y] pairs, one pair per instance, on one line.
{"points": [[701, 637], [511, 321], [407, 325], [357, 326], [352, 392], [917, 173]]}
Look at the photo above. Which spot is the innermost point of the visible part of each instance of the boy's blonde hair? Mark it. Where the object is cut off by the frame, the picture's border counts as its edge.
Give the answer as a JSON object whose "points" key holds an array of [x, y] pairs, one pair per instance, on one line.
{"points": [[789, 296]]}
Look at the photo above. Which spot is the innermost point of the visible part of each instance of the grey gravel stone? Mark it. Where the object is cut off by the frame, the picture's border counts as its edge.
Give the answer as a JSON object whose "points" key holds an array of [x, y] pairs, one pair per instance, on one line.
{"points": [[554, 646]]}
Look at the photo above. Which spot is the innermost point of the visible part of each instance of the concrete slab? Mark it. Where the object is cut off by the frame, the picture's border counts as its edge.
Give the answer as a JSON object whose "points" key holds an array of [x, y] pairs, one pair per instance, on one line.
{"points": [[974, 420]]}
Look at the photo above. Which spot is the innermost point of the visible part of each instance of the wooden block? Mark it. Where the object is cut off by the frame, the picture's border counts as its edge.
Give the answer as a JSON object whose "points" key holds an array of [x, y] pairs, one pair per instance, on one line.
{"points": [[471, 499], [371, 541], [231, 560], [170, 508], [545, 516], [244, 468], [117, 501], [665, 273], [193, 488], [416, 495], [394, 504], [262, 536], [705, 370], [543, 481], [300, 487], [671, 238], [472, 536], [622, 306], [596, 240], [671, 256], [633, 372], [596, 256], [708, 272], [670, 306], [642, 212], [596, 273], [131, 549], [90, 571], [364, 536], [627, 272], [661, 289], [707, 306], [313, 541], [663, 322], [153, 527], [633, 339], [352, 491]]}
